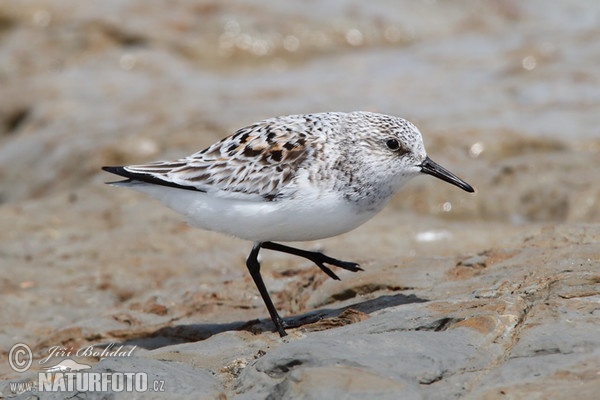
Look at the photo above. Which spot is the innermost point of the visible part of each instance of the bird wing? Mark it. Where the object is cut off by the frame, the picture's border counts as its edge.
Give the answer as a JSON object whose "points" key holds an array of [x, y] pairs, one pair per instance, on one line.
{"points": [[256, 161]]}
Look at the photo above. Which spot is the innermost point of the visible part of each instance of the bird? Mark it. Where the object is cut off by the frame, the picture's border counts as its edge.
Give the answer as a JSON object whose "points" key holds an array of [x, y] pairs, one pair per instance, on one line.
{"points": [[291, 178]]}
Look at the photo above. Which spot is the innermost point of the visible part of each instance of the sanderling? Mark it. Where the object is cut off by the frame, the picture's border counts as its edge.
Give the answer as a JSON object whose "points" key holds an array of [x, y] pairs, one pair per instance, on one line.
{"points": [[291, 178]]}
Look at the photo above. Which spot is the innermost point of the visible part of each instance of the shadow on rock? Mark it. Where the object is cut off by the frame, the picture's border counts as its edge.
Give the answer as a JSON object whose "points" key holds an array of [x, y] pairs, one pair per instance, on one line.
{"points": [[312, 321]]}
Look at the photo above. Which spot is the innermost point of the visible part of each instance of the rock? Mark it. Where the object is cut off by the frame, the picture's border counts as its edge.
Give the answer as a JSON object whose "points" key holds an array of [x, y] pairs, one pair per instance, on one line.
{"points": [[488, 296]]}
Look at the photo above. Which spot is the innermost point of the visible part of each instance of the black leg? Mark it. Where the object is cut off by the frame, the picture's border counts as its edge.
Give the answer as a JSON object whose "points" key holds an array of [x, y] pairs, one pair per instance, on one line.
{"points": [[254, 268], [314, 256]]}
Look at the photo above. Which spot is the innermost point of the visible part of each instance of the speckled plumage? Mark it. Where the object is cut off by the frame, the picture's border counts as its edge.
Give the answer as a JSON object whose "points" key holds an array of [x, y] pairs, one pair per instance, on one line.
{"points": [[291, 178], [263, 160]]}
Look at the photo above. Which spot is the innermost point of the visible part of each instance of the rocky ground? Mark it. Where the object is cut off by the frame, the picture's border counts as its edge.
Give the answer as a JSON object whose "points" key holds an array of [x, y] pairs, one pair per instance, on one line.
{"points": [[492, 295]]}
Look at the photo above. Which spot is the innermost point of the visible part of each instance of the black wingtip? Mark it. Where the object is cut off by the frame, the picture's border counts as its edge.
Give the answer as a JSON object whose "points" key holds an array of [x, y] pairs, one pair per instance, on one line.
{"points": [[134, 176], [117, 171]]}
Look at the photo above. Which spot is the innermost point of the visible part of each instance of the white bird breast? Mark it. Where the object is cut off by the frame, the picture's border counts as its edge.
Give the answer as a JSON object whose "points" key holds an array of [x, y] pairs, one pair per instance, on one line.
{"points": [[314, 215]]}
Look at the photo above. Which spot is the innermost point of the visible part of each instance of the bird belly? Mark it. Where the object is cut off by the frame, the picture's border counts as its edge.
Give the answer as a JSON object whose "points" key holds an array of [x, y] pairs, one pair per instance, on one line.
{"points": [[311, 217]]}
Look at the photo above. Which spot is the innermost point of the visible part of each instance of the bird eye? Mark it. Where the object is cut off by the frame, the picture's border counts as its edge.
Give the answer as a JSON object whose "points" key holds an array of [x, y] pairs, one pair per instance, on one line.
{"points": [[392, 144]]}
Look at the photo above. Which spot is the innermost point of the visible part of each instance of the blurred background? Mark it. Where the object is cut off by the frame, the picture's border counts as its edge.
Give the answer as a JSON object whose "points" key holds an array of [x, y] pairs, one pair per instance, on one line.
{"points": [[506, 94]]}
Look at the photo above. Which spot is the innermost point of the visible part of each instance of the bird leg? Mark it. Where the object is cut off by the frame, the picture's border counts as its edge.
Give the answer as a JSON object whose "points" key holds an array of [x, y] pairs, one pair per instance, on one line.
{"points": [[318, 258], [315, 256], [254, 269]]}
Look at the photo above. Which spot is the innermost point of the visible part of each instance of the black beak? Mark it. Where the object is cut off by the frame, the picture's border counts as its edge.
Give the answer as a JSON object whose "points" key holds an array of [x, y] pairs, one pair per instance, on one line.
{"points": [[430, 168]]}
